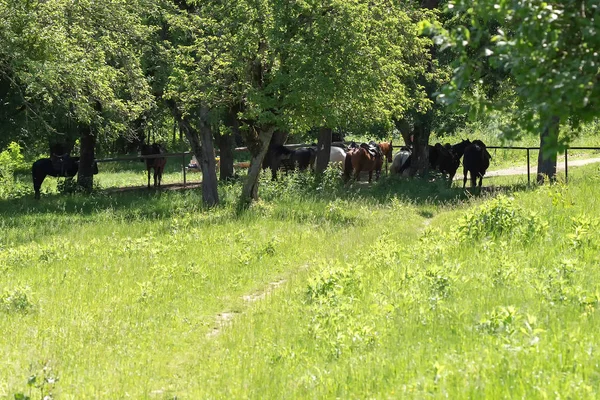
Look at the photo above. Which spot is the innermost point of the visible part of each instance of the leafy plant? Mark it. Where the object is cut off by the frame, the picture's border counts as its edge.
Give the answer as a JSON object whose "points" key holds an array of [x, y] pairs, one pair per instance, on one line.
{"points": [[11, 160], [501, 217], [584, 231], [16, 300], [502, 320], [43, 381]]}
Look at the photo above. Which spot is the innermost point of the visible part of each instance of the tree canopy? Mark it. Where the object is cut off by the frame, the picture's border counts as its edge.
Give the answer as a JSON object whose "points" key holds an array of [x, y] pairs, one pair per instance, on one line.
{"points": [[75, 62], [549, 51]]}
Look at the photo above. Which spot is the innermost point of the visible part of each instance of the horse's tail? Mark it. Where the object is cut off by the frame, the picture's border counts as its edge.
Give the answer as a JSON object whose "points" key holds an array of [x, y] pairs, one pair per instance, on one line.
{"points": [[348, 166]]}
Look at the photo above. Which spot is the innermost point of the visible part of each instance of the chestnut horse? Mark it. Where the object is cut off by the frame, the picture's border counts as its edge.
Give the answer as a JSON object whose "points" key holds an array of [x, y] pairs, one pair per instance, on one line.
{"points": [[361, 159], [156, 163]]}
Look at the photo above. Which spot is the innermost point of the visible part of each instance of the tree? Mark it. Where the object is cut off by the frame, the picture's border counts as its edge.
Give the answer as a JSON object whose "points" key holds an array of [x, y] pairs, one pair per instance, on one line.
{"points": [[549, 49], [293, 65], [76, 64]]}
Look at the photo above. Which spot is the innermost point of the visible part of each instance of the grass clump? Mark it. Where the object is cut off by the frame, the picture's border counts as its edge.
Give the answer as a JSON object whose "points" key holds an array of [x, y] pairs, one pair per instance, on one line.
{"points": [[16, 300], [501, 217]]}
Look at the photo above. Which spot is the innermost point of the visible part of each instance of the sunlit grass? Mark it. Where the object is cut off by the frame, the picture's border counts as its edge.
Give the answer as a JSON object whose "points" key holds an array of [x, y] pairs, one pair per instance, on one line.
{"points": [[400, 289]]}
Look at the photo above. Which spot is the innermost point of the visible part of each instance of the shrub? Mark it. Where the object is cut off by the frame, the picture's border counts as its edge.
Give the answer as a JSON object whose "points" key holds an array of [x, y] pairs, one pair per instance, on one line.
{"points": [[501, 217], [17, 300], [333, 281], [11, 160]]}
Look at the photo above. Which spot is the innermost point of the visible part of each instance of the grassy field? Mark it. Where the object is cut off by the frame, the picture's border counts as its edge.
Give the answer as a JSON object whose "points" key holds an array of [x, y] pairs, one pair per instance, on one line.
{"points": [[401, 289]]}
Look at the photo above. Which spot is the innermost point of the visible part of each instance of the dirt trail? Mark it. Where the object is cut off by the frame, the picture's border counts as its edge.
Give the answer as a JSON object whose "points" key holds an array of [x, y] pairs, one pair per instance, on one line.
{"points": [[223, 319], [522, 170]]}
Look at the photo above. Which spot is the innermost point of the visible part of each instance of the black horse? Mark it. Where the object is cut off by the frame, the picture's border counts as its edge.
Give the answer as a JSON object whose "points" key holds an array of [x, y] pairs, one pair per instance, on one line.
{"points": [[280, 157], [476, 162], [444, 158], [448, 158], [57, 166]]}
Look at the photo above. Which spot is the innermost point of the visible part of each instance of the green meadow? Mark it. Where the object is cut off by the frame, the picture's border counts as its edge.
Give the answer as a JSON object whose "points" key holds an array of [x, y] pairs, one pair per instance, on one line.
{"points": [[399, 289]]}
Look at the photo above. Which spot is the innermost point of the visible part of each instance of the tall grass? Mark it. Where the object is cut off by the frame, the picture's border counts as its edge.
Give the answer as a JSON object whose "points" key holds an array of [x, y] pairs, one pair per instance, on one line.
{"points": [[401, 289]]}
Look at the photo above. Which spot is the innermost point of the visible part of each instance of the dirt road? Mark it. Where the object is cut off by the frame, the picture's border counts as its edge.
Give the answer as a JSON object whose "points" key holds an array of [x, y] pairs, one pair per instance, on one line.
{"points": [[522, 170]]}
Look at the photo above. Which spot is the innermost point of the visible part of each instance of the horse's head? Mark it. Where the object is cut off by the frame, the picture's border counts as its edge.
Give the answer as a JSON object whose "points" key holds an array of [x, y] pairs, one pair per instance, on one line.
{"points": [[459, 148], [387, 149], [145, 150], [157, 148]]}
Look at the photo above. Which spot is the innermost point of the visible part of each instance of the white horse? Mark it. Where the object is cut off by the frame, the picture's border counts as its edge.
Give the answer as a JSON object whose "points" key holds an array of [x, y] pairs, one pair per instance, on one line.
{"points": [[337, 155], [398, 165]]}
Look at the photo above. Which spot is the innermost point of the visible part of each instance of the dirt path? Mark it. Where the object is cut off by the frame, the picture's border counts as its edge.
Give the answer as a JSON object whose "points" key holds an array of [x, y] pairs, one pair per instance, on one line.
{"points": [[522, 170], [166, 186], [223, 319]]}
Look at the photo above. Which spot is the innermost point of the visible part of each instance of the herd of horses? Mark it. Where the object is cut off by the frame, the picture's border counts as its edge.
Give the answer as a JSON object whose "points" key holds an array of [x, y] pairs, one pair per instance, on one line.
{"points": [[354, 159], [447, 158], [369, 157]]}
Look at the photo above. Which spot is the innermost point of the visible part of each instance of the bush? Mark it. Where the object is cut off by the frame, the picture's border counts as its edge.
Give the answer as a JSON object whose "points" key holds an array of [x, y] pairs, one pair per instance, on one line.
{"points": [[16, 300], [501, 217], [11, 160]]}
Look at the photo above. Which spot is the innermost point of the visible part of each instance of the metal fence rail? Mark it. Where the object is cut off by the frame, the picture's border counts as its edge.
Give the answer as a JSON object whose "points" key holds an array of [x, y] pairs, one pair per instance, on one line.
{"points": [[528, 149], [182, 156]]}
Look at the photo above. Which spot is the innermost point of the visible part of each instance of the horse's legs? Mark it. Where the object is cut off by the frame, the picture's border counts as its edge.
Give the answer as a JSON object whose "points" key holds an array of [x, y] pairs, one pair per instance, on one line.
{"points": [[37, 184], [357, 175], [148, 178], [473, 179], [465, 177], [371, 175], [480, 180], [451, 179]]}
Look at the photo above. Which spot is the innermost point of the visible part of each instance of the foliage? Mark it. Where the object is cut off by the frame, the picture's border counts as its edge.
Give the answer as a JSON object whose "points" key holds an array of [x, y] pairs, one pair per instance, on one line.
{"points": [[300, 65], [75, 63], [500, 217], [549, 51], [11, 161], [16, 300]]}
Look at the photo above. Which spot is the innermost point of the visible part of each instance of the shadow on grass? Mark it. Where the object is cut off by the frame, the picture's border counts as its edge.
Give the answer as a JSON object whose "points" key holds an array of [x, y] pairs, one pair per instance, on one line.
{"points": [[432, 191], [141, 203]]}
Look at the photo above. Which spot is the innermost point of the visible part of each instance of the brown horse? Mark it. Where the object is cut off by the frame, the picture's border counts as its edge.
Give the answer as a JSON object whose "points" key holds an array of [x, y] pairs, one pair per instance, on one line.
{"points": [[367, 157], [156, 163]]}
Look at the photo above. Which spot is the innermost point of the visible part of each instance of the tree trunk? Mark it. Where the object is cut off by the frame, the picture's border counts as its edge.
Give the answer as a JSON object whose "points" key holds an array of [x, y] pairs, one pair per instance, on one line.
{"points": [[420, 156], [250, 188], [85, 176], [210, 194], [203, 148], [403, 127], [430, 4], [323, 149], [548, 148], [277, 139], [175, 125], [227, 144]]}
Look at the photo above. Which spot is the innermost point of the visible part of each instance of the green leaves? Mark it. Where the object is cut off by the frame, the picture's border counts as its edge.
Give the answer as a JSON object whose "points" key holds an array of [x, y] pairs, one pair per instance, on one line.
{"points": [[77, 61], [550, 52], [300, 64]]}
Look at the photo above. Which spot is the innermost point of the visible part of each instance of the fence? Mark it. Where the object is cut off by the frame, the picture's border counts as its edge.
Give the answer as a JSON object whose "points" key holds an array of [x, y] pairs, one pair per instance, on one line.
{"points": [[182, 155], [528, 149]]}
